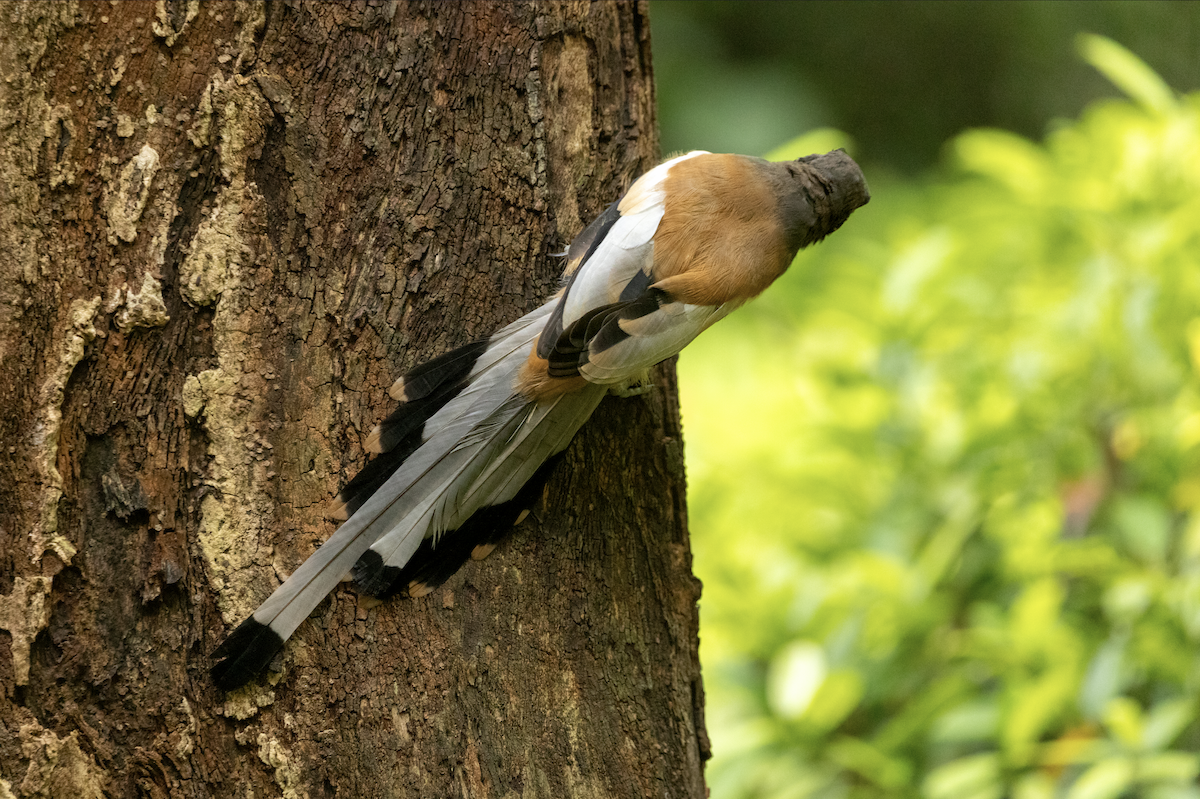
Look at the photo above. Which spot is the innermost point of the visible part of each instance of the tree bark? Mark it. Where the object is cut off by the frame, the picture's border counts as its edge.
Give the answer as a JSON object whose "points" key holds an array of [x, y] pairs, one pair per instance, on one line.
{"points": [[225, 229]]}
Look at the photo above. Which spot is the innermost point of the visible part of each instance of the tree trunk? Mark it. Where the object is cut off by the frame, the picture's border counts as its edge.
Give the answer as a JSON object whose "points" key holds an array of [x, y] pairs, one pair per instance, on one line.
{"points": [[225, 229]]}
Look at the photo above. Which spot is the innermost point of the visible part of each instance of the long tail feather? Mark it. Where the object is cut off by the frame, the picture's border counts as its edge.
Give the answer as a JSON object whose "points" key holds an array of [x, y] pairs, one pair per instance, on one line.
{"points": [[495, 468], [440, 449]]}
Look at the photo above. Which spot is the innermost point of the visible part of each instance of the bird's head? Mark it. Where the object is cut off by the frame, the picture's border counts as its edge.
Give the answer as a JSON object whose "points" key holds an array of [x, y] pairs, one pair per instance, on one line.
{"points": [[818, 193]]}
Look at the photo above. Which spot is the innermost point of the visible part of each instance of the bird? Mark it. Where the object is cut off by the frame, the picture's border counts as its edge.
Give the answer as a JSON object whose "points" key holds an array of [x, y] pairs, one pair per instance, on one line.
{"points": [[477, 430]]}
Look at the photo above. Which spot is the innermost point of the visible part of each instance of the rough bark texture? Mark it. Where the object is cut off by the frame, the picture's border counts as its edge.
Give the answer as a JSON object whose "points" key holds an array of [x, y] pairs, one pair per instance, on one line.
{"points": [[224, 229]]}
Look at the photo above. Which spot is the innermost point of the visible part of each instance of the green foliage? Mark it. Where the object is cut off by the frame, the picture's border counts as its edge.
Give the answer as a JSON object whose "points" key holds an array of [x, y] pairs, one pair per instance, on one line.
{"points": [[945, 479]]}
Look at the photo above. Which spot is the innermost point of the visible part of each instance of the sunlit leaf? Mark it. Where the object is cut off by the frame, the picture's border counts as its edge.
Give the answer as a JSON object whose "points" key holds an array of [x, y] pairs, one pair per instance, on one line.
{"points": [[797, 672], [821, 140], [1166, 721], [977, 776], [1178, 767], [1127, 71], [1107, 779], [1123, 717]]}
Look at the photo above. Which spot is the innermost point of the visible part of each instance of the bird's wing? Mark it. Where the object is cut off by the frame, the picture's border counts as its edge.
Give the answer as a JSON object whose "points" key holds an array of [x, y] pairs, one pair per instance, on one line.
{"points": [[612, 322]]}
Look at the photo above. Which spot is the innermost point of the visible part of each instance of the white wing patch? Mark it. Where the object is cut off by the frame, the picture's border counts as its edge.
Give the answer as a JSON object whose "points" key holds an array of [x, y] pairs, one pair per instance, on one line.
{"points": [[627, 248]]}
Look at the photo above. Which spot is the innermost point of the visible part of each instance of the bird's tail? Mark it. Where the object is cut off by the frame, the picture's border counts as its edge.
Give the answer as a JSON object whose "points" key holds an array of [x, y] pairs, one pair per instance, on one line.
{"points": [[459, 461]]}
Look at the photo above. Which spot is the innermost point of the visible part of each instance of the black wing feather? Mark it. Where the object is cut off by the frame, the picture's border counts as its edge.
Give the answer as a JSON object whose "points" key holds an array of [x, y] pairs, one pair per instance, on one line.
{"points": [[450, 367], [599, 329], [376, 472], [582, 248]]}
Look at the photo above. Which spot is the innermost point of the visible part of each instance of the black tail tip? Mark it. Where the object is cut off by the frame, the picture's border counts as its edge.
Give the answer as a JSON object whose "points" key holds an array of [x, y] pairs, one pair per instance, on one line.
{"points": [[245, 654], [373, 576]]}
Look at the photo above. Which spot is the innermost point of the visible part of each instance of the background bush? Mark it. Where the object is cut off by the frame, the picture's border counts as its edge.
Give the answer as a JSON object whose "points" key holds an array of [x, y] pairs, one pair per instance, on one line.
{"points": [[944, 476]]}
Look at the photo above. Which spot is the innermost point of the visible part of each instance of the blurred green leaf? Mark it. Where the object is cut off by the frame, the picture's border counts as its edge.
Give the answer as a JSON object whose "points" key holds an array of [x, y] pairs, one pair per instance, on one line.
{"points": [[974, 721], [1177, 767], [974, 777], [1107, 779], [1172, 791], [871, 763], [1166, 721], [1123, 717], [1145, 525], [1105, 676], [797, 673], [1035, 785], [821, 140], [1017, 163], [1127, 71], [839, 693]]}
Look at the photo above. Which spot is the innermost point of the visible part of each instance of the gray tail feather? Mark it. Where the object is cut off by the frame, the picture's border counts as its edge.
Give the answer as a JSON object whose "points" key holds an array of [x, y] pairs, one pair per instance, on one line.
{"points": [[508, 451], [481, 447]]}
